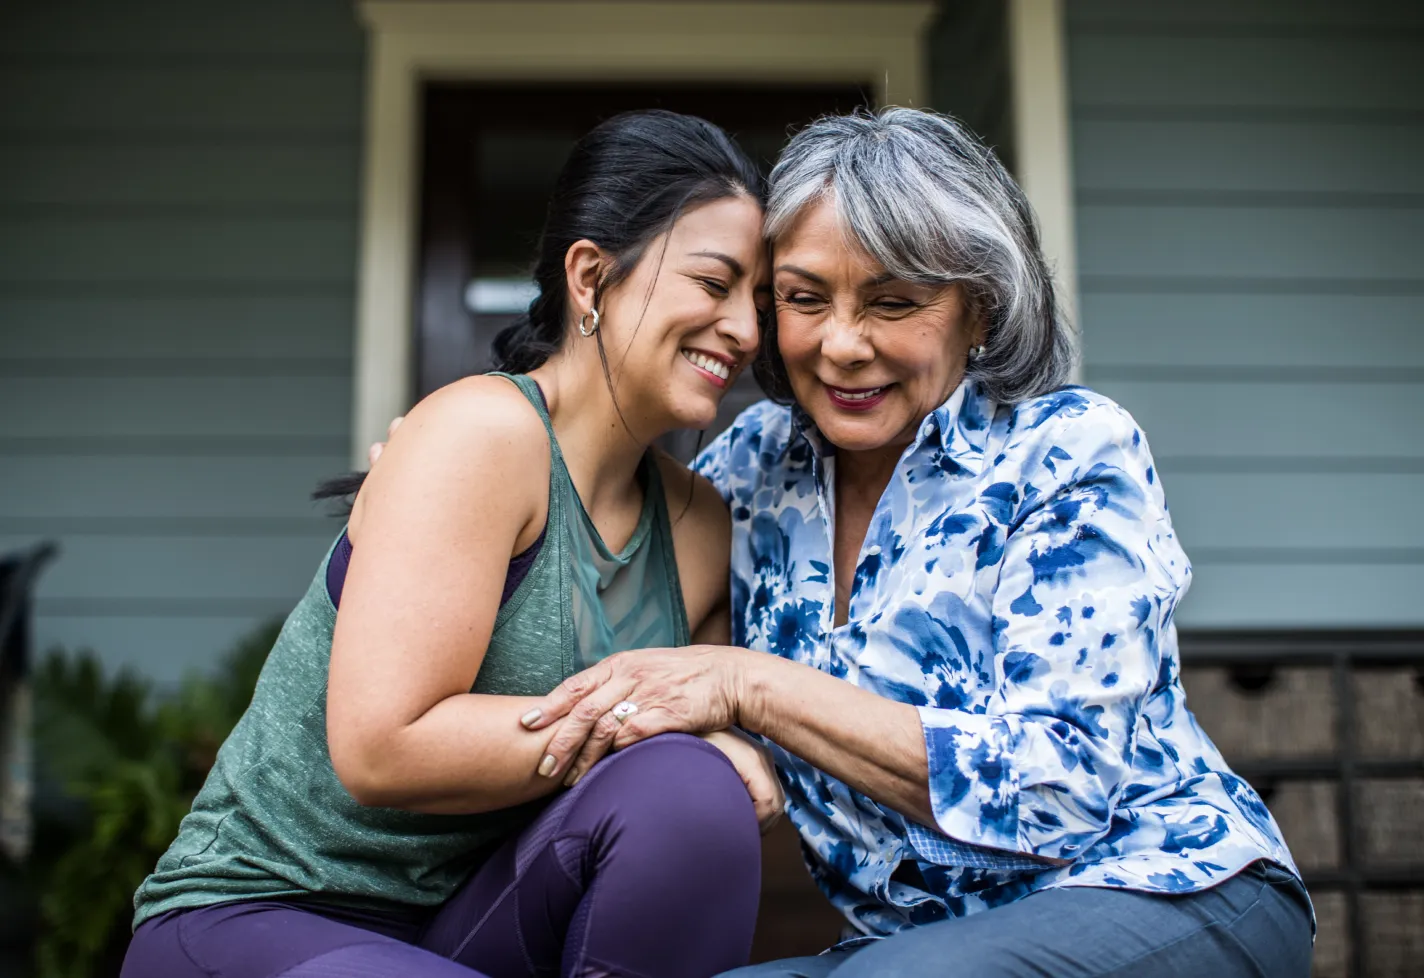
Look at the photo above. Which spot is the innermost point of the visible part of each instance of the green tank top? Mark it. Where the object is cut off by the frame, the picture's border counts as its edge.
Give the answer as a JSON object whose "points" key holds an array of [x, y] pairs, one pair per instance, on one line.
{"points": [[273, 821]]}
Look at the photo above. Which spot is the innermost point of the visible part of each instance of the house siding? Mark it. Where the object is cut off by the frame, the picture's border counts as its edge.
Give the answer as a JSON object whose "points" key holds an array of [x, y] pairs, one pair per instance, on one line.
{"points": [[1250, 192], [178, 223], [178, 220]]}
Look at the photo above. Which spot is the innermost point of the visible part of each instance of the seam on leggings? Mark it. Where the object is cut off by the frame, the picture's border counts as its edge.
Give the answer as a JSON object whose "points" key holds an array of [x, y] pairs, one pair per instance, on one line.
{"points": [[484, 917], [1209, 925], [495, 904], [555, 833], [330, 950], [620, 970], [520, 871], [587, 927], [215, 973], [183, 945]]}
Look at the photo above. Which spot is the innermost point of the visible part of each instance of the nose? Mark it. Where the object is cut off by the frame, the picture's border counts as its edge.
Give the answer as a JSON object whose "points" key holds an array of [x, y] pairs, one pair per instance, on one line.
{"points": [[844, 343], [742, 328]]}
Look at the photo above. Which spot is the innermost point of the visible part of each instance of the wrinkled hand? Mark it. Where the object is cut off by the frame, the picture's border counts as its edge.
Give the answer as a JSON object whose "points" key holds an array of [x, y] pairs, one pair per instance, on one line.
{"points": [[374, 452], [758, 773], [688, 690]]}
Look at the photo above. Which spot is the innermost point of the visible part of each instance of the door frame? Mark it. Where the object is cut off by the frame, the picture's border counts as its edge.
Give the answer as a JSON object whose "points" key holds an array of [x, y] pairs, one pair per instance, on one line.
{"points": [[879, 44]]}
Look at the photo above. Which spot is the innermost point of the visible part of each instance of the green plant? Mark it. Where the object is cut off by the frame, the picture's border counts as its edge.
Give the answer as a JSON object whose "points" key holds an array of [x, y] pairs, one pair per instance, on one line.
{"points": [[134, 759]]}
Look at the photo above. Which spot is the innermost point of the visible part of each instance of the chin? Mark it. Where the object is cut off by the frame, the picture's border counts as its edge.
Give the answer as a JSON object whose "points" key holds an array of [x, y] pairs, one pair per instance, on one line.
{"points": [[697, 413], [860, 435]]}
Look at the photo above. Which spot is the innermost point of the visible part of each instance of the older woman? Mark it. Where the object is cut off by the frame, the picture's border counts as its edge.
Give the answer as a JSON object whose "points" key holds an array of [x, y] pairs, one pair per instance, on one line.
{"points": [[966, 576]]}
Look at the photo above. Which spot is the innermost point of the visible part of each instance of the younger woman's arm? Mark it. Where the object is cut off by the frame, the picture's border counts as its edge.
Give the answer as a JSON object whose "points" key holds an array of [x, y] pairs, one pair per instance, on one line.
{"points": [[461, 487]]}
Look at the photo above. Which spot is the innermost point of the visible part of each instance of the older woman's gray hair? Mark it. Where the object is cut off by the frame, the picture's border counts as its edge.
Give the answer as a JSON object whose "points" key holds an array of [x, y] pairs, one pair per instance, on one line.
{"points": [[923, 197]]}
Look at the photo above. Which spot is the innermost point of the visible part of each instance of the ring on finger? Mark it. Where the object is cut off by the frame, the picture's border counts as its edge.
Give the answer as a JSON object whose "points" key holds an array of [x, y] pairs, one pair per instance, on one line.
{"points": [[622, 711]]}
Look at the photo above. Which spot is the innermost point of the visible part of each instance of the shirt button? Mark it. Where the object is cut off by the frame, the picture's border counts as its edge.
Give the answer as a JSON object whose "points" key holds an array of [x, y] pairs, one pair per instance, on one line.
{"points": [[873, 550]]}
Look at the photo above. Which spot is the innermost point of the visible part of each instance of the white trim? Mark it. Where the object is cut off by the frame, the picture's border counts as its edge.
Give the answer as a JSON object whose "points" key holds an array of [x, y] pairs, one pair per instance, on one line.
{"points": [[871, 43], [1042, 136]]}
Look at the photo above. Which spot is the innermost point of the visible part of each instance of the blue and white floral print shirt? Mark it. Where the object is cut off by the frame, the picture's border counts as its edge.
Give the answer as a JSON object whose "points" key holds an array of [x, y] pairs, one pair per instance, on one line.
{"points": [[1016, 584]]}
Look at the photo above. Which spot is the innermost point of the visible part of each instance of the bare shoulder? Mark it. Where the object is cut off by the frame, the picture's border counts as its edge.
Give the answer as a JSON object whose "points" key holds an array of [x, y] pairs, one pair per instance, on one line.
{"points": [[483, 408], [477, 422], [460, 442]]}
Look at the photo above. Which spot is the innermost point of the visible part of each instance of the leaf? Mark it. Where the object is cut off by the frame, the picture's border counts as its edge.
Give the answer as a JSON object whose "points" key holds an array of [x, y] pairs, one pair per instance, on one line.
{"points": [[135, 760]]}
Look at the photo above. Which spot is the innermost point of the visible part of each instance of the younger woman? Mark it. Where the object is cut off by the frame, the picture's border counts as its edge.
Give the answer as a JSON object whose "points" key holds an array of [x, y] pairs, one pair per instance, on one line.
{"points": [[377, 811]]}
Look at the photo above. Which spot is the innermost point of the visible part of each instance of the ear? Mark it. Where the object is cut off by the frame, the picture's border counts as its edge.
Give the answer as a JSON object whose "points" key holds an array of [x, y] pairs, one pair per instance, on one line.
{"points": [[978, 328], [584, 265]]}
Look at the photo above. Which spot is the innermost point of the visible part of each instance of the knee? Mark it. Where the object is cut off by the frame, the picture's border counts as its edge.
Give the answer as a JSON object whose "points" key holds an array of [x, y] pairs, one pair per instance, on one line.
{"points": [[680, 780]]}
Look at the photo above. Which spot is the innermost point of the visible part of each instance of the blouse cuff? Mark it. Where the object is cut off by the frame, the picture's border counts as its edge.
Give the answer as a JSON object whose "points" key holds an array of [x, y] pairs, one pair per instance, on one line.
{"points": [[974, 784]]}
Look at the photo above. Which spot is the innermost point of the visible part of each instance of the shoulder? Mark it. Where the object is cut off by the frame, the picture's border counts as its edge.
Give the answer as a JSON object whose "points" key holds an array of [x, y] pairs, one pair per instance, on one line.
{"points": [[476, 422], [1077, 409], [1072, 423], [1074, 443], [457, 442], [765, 424], [748, 448], [481, 409]]}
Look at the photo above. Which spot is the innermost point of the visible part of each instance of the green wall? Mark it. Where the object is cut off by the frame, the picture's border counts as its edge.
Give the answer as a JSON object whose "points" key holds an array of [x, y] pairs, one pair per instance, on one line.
{"points": [[178, 220], [1250, 195], [178, 224]]}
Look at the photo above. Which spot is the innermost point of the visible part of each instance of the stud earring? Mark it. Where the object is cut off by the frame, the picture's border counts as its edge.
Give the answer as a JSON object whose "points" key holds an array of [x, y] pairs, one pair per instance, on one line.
{"points": [[975, 352]]}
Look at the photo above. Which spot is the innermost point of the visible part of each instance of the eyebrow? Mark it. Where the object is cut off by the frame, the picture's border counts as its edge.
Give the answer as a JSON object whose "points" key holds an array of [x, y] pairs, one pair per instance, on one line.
{"points": [[727, 260], [797, 270], [869, 283]]}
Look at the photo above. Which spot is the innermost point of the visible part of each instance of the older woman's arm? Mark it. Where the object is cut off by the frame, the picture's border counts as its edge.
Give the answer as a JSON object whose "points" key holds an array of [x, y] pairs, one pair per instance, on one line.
{"points": [[1090, 573], [1089, 580]]}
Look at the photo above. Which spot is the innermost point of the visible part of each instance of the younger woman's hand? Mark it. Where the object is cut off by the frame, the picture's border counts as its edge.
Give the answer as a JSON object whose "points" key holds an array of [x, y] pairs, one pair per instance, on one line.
{"points": [[753, 763], [374, 452]]}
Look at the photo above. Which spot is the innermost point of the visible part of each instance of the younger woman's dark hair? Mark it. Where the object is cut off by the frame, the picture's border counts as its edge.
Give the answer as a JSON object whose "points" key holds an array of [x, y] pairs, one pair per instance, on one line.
{"points": [[625, 183]]}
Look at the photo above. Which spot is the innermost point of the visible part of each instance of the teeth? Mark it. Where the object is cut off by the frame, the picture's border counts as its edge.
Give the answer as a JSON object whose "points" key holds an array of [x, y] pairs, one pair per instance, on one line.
{"points": [[715, 367], [859, 395]]}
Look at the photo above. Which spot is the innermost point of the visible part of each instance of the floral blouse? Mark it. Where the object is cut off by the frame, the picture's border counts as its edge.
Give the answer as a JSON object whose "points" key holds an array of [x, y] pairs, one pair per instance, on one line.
{"points": [[1017, 585]]}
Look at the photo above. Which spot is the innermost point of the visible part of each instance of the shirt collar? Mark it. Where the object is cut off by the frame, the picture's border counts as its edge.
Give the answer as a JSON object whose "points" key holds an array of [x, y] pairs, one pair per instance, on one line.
{"points": [[959, 427]]}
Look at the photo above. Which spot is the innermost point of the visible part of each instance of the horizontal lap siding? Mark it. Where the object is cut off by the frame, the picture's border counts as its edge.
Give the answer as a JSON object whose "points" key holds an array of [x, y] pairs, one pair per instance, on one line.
{"points": [[178, 207], [1250, 184]]}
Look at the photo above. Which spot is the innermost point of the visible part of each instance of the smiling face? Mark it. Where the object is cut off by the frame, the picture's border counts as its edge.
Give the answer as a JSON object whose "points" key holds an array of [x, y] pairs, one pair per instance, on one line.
{"points": [[684, 324], [869, 356]]}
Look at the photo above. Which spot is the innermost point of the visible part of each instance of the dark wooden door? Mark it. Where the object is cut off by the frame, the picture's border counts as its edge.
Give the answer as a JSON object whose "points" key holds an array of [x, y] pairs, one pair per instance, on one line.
{"points": [[490, 155]]}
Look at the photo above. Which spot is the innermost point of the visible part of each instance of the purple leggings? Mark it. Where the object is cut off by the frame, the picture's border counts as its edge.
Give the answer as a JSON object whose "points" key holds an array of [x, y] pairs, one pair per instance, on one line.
{"points": [[649, 867]]}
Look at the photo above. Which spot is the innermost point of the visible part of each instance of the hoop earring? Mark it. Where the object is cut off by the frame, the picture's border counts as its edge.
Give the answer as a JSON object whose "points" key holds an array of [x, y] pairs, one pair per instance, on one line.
{"points": [[975, 352], [584, 318]]}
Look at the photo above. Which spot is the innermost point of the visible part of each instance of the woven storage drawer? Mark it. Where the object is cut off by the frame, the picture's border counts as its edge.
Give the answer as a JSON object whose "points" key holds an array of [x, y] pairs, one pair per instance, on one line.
{"points": [[1292, 716], [1332, 936], [1307, 814], [1393, 933], [1389, 714], [1390, 816]]}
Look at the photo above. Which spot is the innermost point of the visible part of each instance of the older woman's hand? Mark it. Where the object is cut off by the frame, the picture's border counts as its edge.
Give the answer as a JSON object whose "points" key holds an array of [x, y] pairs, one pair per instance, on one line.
{"points": [[692, 690], [758, 773]]}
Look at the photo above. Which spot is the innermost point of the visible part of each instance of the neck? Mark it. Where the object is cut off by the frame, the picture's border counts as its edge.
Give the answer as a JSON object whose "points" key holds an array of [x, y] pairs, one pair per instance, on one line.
{"points": [[601, 453], [865, 474]]}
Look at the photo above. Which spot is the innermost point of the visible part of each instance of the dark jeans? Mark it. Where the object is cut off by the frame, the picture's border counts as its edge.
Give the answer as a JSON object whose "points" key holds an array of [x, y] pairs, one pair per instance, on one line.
{"points": [[650, 867], [1257, 923]]}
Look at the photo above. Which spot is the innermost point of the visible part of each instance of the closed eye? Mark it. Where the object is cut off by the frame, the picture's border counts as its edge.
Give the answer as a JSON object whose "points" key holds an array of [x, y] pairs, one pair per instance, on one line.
{"points": [[801, 299], [719, 289]]}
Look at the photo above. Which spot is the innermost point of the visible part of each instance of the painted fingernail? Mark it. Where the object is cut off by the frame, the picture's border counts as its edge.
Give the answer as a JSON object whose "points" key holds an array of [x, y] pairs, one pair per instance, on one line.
{"points": [[547, 765], [531, 718], [573, 779]]}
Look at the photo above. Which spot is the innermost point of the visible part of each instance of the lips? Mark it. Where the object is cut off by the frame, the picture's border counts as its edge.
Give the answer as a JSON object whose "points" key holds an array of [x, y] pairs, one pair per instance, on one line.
{"points": [[857, 398], [714, 368]]}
